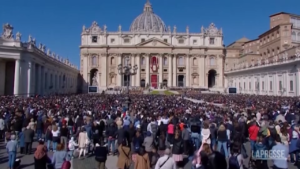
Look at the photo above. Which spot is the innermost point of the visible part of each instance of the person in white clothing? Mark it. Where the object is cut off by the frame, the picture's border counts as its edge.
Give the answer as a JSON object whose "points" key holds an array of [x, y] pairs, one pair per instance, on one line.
{"points": [[2, 126], [166, 161], [72, 146], [205, 133]]}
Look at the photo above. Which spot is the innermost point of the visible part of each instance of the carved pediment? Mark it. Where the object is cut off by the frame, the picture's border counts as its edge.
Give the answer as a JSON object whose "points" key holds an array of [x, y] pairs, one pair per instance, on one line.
{"points": [[195, 74], [153, 42]]}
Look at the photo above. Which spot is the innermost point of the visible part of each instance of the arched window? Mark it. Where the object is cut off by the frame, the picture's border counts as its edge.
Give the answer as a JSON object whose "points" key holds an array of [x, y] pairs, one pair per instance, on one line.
{"points": [[143, 61], [165, 61], [195, 62], [294, 36], [126, 60], [181, 61], [94, 61], [112, 61], [212, 61]]}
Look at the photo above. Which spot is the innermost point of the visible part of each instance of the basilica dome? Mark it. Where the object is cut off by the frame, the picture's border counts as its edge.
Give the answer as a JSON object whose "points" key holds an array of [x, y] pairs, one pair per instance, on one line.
{"points": [[148, 21]]}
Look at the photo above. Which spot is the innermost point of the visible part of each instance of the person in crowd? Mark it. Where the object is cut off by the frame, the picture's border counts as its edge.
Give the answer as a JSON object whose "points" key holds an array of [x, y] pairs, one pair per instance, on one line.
{"points": [[28, 138], [137, 142], [222, 140], [154, 158], [258, 153], [83, 141], [101, 153], [281, 161], [72, 146], [142, 159], [148, 143], [21, 141], [213, 135], [64, 135], [253, 132], [177, 149], [201, 156], [2, 127], [170, 131], [236, 160], [284, 135], [48, 137], [55, 137], [162, 144], [293, 148], [195, 132], [166, 161], [186, 139], [111, 134], [59, 156], [124, 160], [11, 148], [40, 156], [205, 133]]}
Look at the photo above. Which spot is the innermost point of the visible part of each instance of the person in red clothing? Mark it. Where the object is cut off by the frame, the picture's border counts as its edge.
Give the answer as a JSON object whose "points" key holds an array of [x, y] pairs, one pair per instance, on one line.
{"points": [[253, 131]]}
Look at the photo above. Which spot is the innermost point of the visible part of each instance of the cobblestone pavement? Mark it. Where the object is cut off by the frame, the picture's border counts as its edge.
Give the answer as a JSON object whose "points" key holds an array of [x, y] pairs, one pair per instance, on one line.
{"points": [[86, 163]]}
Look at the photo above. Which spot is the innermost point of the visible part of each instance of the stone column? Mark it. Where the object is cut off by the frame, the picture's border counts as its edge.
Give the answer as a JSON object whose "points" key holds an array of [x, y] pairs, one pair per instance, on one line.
{"points": [[132, 78], [201, 70], [104, 70], [170, 71], [17, 78], [174, 70], [220, 71], [40, 79], [147, 70], [187, 71], [86, 72], [119, 77], [88, 80], [29, 79], [2, 76], [160, 69], [138, 73]]}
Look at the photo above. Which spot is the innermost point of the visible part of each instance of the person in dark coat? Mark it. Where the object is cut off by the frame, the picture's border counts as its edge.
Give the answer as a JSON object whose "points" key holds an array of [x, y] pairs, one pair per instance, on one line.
{"points": [[28, 138], [101, 153], [21, 141]]}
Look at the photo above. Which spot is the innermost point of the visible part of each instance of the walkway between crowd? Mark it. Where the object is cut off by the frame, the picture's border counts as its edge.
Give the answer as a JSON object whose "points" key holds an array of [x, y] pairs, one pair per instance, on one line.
{"points": [[202, 101]]}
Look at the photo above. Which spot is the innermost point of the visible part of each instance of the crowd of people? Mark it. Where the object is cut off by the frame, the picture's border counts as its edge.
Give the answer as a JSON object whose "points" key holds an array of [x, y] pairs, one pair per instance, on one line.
{"points": [[156, 131]]}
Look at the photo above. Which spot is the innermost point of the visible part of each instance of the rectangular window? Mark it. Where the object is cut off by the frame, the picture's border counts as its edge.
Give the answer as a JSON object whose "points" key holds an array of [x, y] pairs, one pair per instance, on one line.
{"points": [[166, 40], [112, 40], [165, 61], [263, 86], [126, 40], [271, 86], [143, 40], [280, 85], [94, 39], [180, 41], [211, 41], [195, 42], [291, 85]]}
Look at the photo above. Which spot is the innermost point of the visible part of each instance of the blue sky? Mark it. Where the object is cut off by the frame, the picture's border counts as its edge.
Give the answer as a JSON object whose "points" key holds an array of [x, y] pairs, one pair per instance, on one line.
{"points": [[58, 23]]}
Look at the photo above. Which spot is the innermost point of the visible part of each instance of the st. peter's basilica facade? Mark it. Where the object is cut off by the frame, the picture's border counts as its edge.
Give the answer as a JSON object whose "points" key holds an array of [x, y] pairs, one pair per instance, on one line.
{"points": [[164, 57]]}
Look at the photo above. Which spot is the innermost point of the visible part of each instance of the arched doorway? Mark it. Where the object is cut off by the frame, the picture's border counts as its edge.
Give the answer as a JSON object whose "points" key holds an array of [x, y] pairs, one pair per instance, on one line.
{"points": [[211, 78], [143, 83], [94, 81]]}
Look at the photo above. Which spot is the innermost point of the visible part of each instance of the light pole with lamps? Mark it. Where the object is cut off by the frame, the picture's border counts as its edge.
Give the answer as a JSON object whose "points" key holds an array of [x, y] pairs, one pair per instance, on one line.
{"points": [[127, 70]]}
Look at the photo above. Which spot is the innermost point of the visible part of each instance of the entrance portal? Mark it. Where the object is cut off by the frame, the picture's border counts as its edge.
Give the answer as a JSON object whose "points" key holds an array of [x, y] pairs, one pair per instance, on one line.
{"points": [[154, 81], [143, 83], [126, 80], [180, 82], [211, 78], [9, 78]]}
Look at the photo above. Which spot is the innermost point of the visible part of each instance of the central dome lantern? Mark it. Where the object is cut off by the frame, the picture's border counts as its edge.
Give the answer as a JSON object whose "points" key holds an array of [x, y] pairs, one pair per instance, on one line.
{"points": [[148, 21]]}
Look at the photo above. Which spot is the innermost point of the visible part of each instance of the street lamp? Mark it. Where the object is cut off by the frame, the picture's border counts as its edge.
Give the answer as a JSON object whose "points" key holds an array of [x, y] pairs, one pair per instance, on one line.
{"points": [[128, 71]]}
